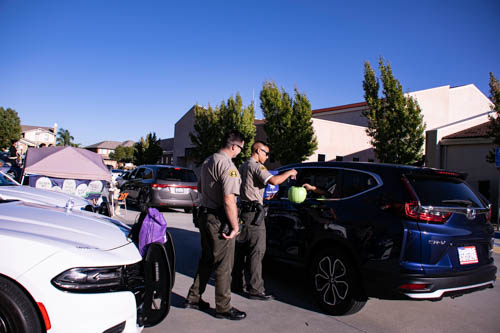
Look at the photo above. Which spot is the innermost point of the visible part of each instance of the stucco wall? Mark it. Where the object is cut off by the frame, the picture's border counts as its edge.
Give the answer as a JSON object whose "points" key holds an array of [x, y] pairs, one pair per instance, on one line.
{"points": [[339, 139], [40, 136], [351, 116]]}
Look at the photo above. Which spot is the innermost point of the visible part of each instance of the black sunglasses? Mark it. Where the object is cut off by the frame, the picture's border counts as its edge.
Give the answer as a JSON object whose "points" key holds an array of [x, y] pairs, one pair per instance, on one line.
{"points": [[238, 146], [265, 152]]}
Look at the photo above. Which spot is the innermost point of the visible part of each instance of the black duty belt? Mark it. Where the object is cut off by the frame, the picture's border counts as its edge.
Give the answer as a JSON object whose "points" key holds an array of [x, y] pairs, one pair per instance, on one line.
{"points": [[248, 206], [206, 210]]}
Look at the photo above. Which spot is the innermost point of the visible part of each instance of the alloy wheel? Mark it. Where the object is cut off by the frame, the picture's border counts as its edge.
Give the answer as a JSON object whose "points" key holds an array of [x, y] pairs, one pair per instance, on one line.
{"points": [[330, 280]]}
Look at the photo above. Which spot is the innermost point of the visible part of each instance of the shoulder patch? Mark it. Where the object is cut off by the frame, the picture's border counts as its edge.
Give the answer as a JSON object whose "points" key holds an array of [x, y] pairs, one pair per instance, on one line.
{"points": [[263, 167], [233, 173]]}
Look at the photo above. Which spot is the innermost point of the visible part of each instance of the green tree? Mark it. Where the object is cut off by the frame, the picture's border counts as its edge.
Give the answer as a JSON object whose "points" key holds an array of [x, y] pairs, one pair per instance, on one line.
{"points": [[395, 122], [210, 126], [288, 126], [10, 127], [123, 154], [494, 130], [139, 148], [64, 138], [147, 151]]}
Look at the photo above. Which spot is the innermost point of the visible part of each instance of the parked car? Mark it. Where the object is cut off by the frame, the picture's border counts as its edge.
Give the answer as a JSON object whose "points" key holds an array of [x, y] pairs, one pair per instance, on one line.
{"points": [[12, 190], [75, 271], [122, 179], [115, 173], [162, 186], [385, 231]]}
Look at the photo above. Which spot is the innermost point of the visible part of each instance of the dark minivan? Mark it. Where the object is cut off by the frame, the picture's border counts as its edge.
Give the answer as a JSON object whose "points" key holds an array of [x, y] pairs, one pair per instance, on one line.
{"points": [[162, 186], [384, 231]]}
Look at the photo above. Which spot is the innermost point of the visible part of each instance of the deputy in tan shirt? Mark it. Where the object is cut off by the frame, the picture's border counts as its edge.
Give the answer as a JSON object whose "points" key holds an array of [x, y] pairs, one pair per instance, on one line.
{"points": [[251, 244], [219, 185]]}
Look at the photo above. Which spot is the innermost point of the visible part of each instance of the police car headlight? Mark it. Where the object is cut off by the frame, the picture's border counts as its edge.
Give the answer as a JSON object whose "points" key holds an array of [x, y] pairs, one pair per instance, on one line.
{"points": [[89, 279]]}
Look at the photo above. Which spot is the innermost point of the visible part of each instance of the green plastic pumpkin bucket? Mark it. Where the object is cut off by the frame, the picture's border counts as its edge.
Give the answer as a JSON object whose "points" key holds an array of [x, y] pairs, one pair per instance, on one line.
{"points": [[297, 194]]}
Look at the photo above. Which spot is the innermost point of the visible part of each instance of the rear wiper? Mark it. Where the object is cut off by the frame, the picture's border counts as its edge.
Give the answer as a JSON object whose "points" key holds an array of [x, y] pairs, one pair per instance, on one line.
{"points": [[465, 203]]}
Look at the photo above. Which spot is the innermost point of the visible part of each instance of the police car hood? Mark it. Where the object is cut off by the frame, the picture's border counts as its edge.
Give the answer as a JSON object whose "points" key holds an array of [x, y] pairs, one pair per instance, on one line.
{"points": [[61, 228], [35, 195]]}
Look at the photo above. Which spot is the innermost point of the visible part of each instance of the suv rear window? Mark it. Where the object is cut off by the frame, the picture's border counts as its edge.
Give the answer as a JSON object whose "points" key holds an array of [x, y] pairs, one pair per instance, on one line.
{"points": [[439, 191], [183, 175]]}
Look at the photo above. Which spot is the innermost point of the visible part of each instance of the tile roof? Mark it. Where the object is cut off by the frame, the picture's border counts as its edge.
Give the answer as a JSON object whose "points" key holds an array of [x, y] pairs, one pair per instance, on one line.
{"points": [[26, 128], [478, 131], [128, 143], [340, 107], [105, 145]]}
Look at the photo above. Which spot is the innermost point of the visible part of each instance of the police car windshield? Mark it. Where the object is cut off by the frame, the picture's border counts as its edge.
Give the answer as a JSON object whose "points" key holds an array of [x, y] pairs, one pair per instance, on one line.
{"points": [[7, 181]]}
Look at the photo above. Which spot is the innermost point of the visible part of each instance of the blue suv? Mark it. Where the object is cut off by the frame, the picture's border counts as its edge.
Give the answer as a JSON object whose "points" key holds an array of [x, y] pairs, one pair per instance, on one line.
{"points": [[384, 231]]}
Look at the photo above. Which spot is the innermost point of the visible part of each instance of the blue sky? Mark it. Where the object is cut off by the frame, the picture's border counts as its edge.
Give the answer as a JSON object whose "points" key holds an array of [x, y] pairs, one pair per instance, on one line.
{"points": [[117, 70]]}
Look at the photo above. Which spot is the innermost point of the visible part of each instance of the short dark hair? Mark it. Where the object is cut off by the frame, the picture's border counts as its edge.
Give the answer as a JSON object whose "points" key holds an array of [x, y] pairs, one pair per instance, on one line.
{"points": [[232, 137], [13, 141], [254, 146]]}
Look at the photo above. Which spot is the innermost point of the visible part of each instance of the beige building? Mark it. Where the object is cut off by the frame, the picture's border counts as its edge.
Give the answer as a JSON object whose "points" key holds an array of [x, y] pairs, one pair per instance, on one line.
{"points": [[445, 110], [34, 136], [341, 134], [104, 148]]}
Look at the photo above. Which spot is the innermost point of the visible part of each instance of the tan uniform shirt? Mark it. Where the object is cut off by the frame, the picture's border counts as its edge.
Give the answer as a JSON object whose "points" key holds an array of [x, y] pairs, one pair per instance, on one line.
{"points": [[254, 177], [219, 176]]}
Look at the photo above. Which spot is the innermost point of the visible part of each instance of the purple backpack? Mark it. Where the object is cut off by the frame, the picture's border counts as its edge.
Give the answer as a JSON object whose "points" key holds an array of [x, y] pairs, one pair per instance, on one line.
{"points": [[153, 229]]}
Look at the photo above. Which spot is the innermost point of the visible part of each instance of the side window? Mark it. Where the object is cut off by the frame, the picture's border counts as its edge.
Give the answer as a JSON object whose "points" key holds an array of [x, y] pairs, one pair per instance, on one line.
{"points": [[324, 179], [133, 173], [140, 173], [148, 174], [356, 182]]}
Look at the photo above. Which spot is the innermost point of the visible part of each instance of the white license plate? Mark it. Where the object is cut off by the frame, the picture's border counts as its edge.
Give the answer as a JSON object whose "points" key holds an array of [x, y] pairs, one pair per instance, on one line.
{"points": [[467, 255], [179, 190]]}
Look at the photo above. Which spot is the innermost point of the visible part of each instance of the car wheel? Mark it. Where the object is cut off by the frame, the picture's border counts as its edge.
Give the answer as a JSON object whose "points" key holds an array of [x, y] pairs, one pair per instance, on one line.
{"points": [[335, 283], [17, 312]]}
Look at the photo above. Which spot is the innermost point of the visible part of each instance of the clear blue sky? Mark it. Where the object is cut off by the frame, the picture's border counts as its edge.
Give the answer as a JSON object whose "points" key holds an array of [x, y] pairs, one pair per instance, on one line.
{"points": [[116, 70]]}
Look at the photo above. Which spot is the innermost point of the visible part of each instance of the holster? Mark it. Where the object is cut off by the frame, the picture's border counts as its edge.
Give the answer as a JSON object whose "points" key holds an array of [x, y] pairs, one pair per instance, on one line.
{"points": [[260, 214], [254, 206]]}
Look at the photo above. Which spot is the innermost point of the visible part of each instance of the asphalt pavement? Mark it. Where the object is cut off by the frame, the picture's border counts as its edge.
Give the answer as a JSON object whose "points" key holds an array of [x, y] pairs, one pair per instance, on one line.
{"points": [[294, 310]]}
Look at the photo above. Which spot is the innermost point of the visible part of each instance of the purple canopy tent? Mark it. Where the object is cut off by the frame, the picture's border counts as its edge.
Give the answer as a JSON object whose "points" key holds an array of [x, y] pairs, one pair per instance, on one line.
{"points": [[65, 163]]}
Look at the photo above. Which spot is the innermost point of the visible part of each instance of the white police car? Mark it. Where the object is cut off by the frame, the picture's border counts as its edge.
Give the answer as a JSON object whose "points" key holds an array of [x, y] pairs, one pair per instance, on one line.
{"points": [[63, 270]]}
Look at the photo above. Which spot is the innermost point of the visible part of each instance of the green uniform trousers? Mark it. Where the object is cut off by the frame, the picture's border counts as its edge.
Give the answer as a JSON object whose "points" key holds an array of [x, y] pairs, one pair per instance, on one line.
{"points": [[249, 255], [217, 255]]}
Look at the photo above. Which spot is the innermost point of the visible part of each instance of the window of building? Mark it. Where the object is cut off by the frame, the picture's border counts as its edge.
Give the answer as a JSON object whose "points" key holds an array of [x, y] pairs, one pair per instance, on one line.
{"points": [[355, 159], [321, 157]]}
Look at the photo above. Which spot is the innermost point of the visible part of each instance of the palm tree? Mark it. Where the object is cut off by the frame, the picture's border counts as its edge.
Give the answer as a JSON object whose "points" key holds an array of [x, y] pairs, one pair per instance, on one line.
{"points": [[64, 137]]}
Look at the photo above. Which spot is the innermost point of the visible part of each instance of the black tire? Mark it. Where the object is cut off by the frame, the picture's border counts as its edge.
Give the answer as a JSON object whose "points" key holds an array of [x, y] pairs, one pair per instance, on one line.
{"points": [[335, 283], [17, 312], [143, 202]]}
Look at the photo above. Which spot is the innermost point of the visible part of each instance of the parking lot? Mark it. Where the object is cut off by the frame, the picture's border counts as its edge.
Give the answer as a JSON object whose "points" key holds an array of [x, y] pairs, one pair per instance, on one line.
{"points": [[294, 310]]}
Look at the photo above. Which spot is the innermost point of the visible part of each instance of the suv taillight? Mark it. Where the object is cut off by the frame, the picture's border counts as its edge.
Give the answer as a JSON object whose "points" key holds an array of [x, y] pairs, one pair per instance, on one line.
{"points": [[168, 186], [160, 185], [416, 212]]}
